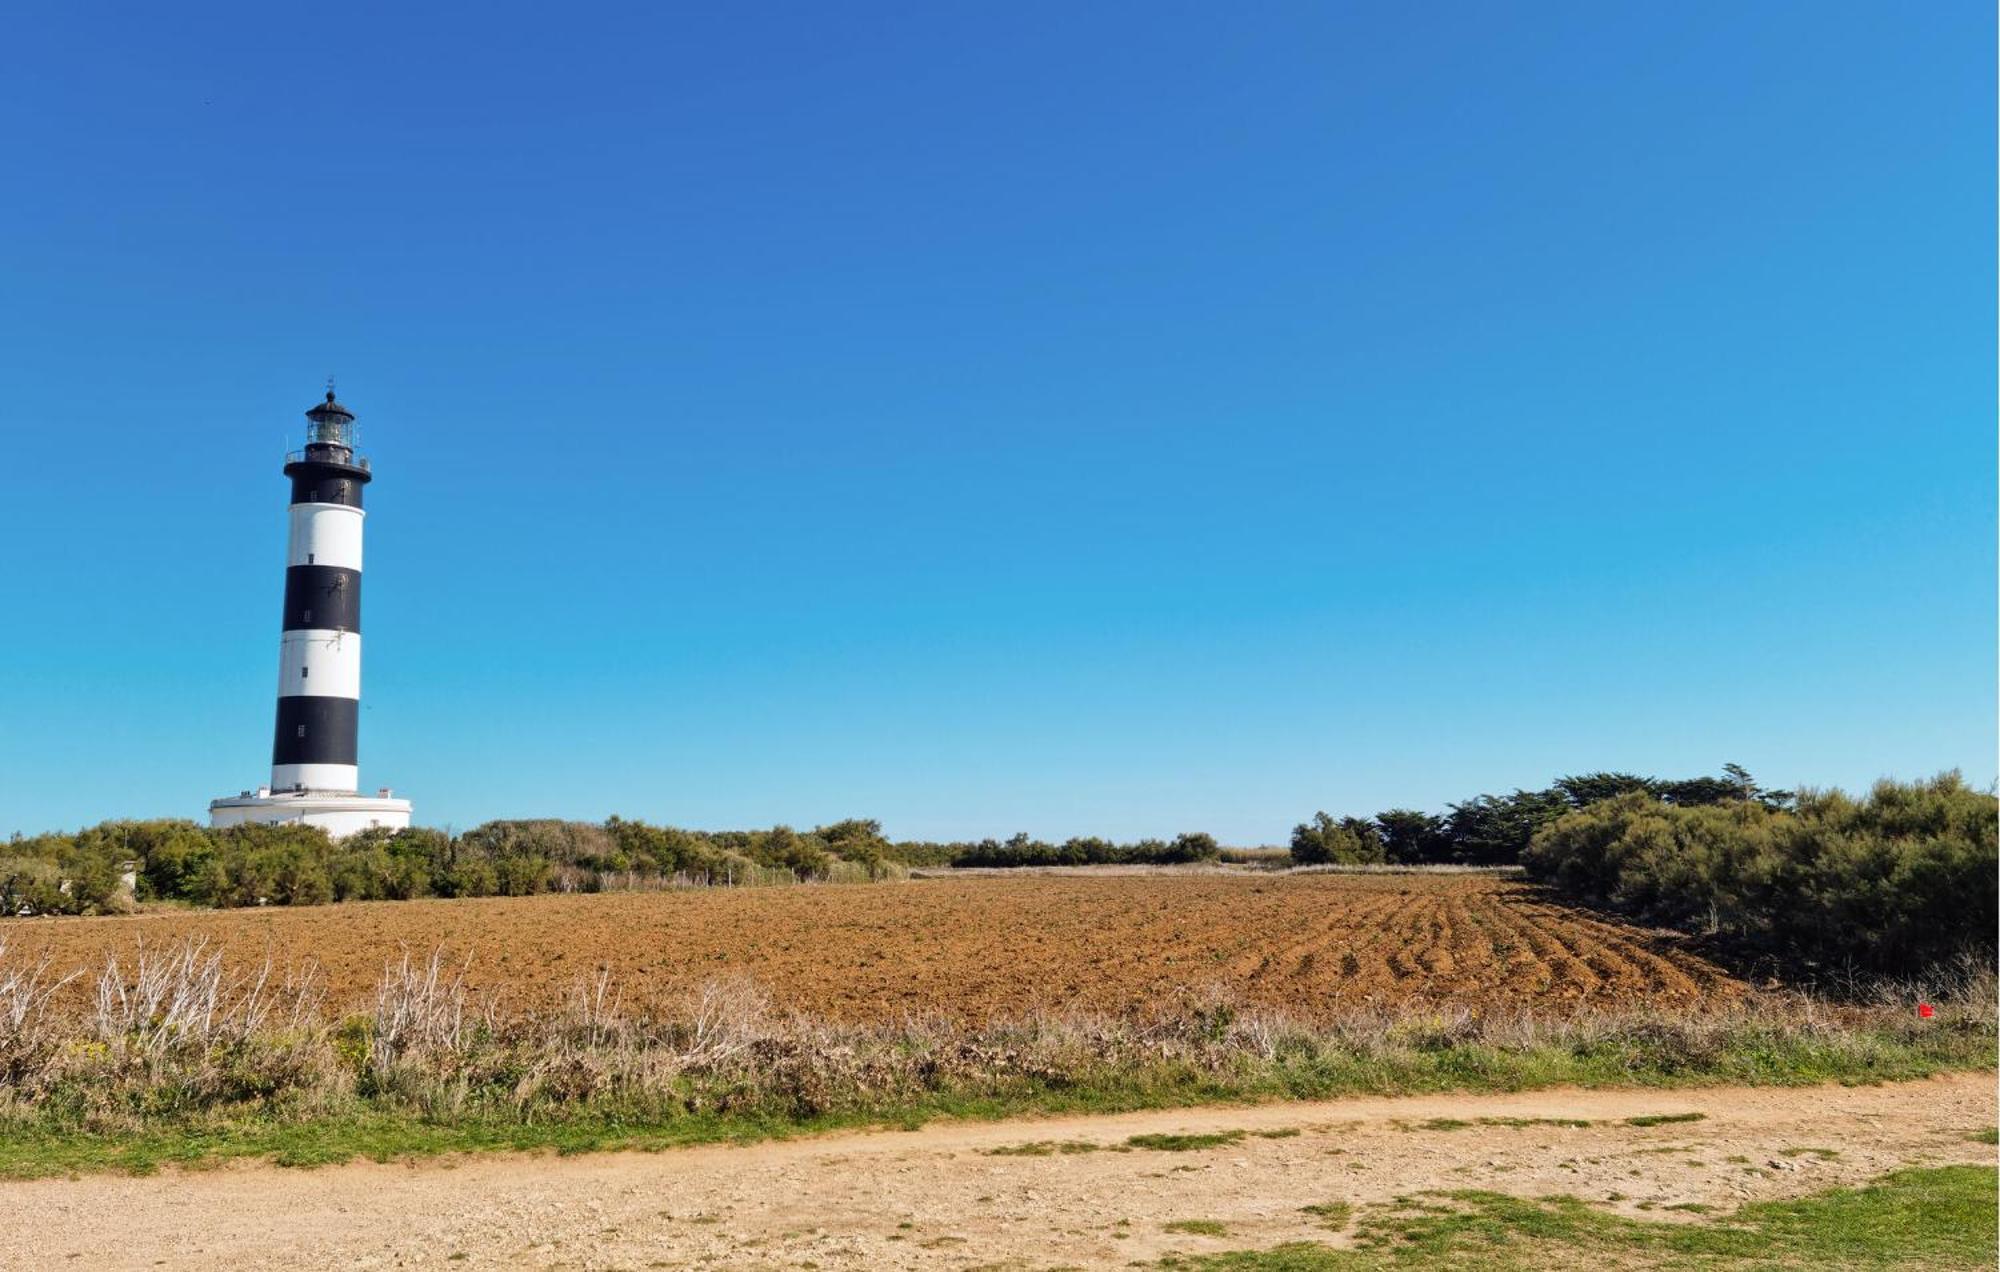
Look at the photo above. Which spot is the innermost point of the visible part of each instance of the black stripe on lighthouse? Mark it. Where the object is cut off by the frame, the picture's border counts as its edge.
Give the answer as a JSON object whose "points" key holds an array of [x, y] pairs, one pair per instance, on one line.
{"points": [[317, 731], [322, 598], [326, 483]]}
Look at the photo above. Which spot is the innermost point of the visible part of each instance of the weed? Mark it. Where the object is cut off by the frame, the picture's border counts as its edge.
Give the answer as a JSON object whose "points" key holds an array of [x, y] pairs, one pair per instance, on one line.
{"points": [[1332, 1215], [1665, 1119], [1184, 1143], [1199, 1227], [1043, 1148]]}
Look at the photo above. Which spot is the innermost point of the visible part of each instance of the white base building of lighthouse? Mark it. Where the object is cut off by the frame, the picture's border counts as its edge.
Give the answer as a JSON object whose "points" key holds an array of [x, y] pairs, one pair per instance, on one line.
{"points": [[338, 815]]}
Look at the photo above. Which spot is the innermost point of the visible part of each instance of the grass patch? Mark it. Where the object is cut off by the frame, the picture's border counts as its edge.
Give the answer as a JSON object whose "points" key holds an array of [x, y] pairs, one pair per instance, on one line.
{"points": [[1940, 1218], [1665, 1119], [1189, 1143], [1823, 1154], [1282, 1132], [1512, 1123], [1991, 1135], [1043, 1148], [1198, 1227], [1332, 1215]]}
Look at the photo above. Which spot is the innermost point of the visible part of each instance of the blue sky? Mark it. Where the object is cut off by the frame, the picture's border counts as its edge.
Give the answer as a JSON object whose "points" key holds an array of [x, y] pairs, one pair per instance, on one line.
{"points": [[1109, 418]]}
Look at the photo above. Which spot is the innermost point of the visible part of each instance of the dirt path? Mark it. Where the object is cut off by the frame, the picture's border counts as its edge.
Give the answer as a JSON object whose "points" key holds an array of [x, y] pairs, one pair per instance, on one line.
{"points": [[938, 1197]]}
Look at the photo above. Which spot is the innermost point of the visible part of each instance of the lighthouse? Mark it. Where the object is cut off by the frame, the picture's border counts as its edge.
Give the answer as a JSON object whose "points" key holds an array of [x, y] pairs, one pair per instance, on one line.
{"points": [[314, 750]]}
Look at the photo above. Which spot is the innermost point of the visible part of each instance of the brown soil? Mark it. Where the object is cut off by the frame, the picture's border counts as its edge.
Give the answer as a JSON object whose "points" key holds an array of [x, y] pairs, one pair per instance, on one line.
{"points": [[939, 1198], [979, 947]]}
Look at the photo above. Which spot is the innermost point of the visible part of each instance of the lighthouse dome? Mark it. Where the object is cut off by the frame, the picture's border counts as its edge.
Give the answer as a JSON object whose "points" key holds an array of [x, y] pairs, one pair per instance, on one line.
{"points": [[328, 408]]}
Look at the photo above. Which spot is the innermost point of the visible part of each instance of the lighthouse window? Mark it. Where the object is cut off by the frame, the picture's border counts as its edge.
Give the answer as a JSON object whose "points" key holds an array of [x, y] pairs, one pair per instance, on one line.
{"points": [[307, 617], [304, 672], [302, 730]]}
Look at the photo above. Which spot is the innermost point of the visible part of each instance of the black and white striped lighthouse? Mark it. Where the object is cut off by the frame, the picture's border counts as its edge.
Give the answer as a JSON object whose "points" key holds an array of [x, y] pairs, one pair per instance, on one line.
{"points": [[314, 750]]}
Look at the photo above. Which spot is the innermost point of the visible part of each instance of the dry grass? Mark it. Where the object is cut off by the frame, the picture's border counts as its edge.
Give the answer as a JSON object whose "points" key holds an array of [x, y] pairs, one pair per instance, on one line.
{"points": [[173, 1040]]}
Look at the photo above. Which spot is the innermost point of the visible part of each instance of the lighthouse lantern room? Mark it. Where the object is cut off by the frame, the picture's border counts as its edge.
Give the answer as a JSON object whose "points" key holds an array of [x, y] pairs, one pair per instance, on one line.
{"points": [[314, 773]]}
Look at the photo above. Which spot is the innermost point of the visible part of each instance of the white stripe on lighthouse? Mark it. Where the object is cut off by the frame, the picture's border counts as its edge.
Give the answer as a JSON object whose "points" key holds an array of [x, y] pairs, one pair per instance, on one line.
{"points": [[325, 534], [322, 664]]}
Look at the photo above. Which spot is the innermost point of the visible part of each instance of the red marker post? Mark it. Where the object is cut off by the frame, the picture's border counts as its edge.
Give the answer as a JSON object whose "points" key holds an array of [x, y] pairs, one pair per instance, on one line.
{"points": [[1926, 1011]]}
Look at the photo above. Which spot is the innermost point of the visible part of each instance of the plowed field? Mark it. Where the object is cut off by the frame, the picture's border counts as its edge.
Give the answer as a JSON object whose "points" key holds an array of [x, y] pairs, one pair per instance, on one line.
{"points": [[980, 946]]}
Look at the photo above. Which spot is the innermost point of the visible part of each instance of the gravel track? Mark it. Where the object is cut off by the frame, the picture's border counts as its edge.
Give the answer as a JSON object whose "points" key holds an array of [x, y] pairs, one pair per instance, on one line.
{"points": [[938, 1198]]}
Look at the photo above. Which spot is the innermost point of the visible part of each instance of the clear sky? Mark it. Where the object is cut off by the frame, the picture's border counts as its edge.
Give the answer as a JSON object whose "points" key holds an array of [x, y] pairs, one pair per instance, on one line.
{"points": [[1074, 418]]}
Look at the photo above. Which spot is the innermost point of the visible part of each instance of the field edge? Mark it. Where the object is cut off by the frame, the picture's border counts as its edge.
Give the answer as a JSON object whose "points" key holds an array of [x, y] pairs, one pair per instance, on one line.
{"points": [[40, 1145]]}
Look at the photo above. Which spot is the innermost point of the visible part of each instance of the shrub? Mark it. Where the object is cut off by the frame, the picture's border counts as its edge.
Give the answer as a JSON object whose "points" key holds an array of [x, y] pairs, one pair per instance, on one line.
{"points": [[859, 842], [1895, 882], [31, 885], [783, 848], [1347, 842]]}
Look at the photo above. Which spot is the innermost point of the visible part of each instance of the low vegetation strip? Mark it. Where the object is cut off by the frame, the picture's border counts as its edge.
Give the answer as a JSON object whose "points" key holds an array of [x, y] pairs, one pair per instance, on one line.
{"points": [[174, 1058], [1940, 1218]]}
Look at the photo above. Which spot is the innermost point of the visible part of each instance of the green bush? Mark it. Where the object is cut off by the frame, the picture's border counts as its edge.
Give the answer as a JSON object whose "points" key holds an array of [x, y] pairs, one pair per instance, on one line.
{"points": [[1894, 882], [1323, 841]]}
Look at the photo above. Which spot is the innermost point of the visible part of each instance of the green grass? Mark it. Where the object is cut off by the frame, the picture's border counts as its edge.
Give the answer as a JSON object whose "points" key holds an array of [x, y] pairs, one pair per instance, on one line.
{"points": [[1046, 1148], [1522, 1123], [1991, 1135], [1199, 1227], [1665, 1119], [1332, 1215], [1185, 1143], [1941, 1219]]}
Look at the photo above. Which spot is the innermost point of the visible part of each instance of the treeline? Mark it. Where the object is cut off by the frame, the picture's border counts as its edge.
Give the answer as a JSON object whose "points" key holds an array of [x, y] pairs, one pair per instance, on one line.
{"points": [[108, 867], [1020, 850], [1495, 830], [1898, 881]]}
